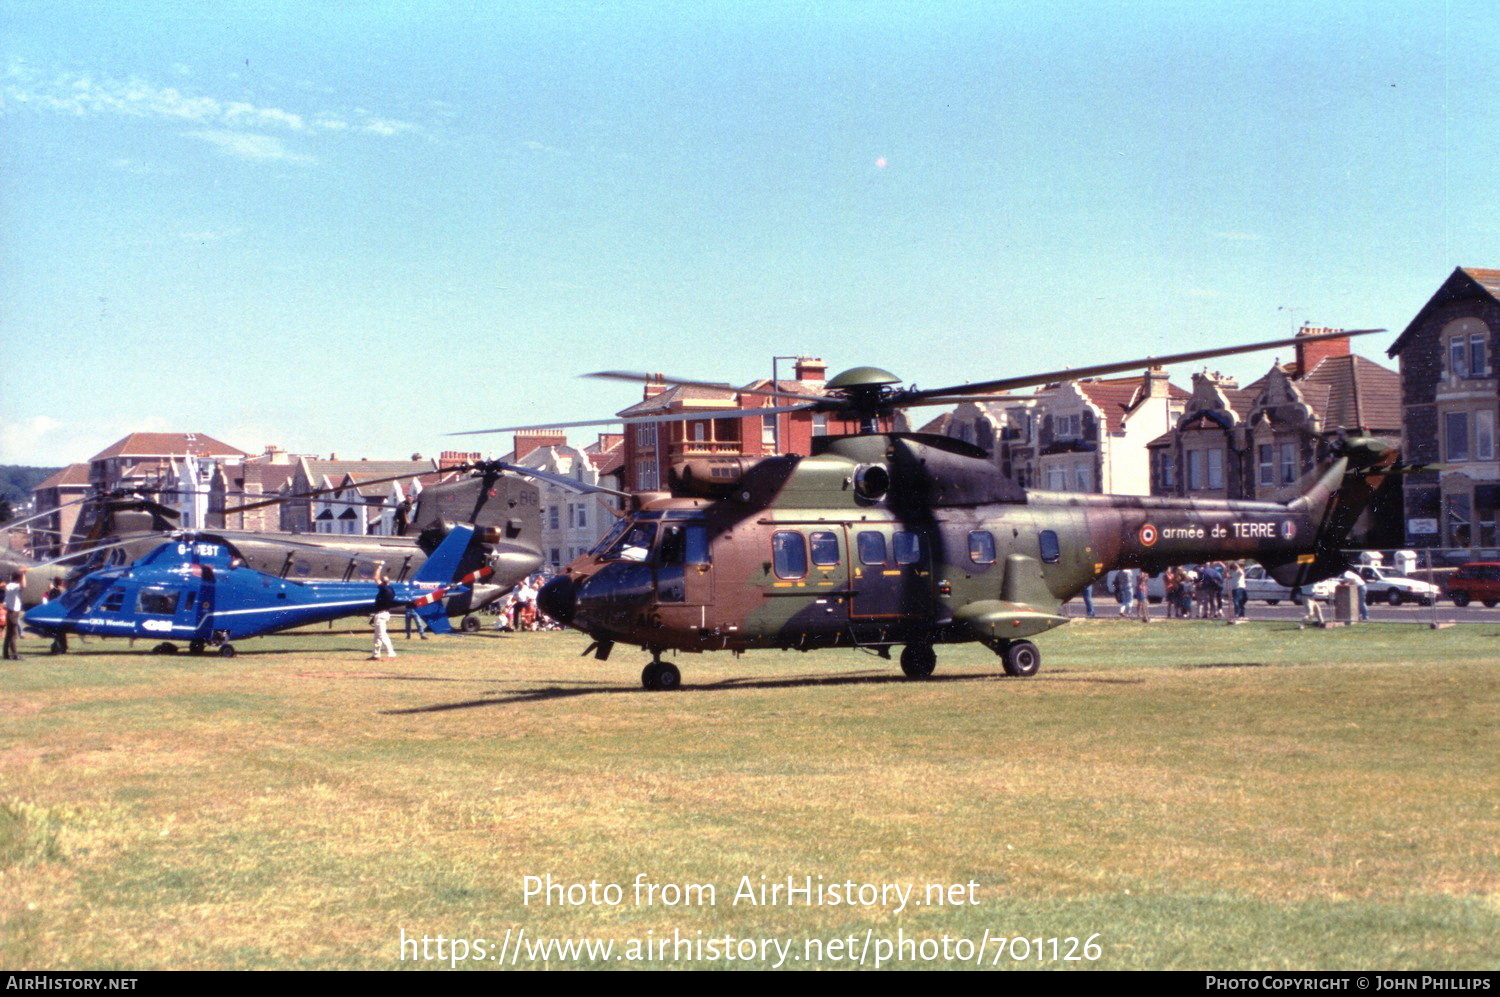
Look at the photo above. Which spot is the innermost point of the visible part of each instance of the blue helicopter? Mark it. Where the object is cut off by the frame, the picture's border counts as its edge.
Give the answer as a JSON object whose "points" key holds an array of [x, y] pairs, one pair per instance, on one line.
{"points": [[200, 591]]}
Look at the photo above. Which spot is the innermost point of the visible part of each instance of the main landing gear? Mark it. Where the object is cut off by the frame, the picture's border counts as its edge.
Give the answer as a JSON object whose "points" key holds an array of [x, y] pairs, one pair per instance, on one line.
{"points": [[1021, 658], [661, 676]]}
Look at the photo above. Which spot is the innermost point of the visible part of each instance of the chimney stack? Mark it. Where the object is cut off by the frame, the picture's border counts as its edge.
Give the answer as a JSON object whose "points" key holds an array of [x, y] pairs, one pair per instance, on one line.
{"points": [[1309, 355]]}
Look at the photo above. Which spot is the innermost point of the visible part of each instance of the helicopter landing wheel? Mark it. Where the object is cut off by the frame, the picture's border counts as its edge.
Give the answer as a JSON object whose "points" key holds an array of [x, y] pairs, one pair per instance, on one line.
{"points": [[659, 676], [226, 650], [58, 647], [918, 661], [1022, 659], [197, 646], [470, 625], [165, 647]]}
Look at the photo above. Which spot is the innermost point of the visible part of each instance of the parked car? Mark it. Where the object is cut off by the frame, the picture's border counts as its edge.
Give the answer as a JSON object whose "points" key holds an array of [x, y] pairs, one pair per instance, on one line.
{"points": [[1383, 584], [1476, 580], [1261, 586]]}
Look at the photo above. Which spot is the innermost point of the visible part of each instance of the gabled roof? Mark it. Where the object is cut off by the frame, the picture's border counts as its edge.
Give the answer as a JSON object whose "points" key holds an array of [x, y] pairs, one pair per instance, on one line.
{"points": [[681, 397], [168, 445], [1357, 393], [1117, 396], [72, 476], [1465, 282]]}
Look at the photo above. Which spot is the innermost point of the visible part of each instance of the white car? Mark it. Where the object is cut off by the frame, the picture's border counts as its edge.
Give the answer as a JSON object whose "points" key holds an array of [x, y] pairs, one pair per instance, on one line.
{"points": [[1259, 585], [1384, 585]]}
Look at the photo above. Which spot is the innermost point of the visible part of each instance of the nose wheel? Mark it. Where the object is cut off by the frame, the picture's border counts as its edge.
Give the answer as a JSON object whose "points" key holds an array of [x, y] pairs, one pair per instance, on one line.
{"points": [[660, 676]]}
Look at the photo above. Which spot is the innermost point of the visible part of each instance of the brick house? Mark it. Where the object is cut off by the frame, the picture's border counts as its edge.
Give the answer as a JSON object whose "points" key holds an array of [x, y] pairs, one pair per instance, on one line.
{"points": [[1450, 395], [1253, 442]]}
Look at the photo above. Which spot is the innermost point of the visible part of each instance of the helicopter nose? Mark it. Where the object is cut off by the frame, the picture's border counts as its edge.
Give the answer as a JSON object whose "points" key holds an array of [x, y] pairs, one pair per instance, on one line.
{"points": [[558, 599]]}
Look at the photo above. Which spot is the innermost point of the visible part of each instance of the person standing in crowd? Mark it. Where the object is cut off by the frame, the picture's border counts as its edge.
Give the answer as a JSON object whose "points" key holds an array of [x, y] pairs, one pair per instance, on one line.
{"points": [[55, 591], [1123, 590], [1353, 577], [1143, 596], [1088, 600], [385, 601], [12, 604], [1237, 590]]}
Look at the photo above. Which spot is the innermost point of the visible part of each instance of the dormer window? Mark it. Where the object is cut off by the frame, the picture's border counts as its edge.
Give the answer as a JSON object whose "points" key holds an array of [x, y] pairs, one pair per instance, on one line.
{"points": [[1069, 427]]}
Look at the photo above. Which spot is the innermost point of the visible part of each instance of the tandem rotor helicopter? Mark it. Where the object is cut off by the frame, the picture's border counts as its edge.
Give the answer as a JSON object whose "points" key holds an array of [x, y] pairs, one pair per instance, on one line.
{"points": [[885, 539]]}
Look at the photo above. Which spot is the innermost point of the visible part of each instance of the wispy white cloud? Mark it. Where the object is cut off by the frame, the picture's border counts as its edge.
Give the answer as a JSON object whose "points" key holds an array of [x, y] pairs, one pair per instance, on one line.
{"points": [[82, 95], [42, 441], [251, 146]]}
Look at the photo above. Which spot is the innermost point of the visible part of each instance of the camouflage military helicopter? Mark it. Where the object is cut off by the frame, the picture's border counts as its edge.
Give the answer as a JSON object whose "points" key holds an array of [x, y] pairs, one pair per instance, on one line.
{"points": [[881, 539]]}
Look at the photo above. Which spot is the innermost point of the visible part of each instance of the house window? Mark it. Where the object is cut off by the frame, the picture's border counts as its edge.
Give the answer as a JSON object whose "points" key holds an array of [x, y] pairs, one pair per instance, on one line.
{"points": [[1069, 426], [1195, 470], [1477, 365], [1080, 479], [699, 431], [1484, 434], [1168, 471], [645, 435], [552, 518], [1267, 454], [820, 424], [583, 517], [1288, 463], [1215, 469], [1456, 435], [1458, 360]]}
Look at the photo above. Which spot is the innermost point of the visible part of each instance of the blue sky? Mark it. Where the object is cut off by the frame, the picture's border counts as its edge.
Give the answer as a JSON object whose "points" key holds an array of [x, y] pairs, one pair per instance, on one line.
{"points": [[359, 227]]}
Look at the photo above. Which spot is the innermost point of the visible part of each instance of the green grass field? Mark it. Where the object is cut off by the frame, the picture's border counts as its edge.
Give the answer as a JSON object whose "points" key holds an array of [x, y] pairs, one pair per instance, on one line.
{"points": [[1189, 795]]}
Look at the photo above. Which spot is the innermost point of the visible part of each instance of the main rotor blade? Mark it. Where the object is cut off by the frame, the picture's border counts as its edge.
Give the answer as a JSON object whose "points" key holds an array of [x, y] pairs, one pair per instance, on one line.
{"points": [[558, 479], [626, 375], [1078, 373], [636, 420], [279, 499], [21, 522]]}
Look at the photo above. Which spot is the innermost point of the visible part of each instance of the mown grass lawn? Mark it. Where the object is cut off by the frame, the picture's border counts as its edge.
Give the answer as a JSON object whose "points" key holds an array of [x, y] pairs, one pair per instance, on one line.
{"points": [[1193, 795]]}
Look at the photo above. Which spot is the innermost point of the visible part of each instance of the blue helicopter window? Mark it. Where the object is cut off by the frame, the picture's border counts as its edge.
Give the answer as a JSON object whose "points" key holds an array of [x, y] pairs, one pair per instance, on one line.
{"points": [[789, 554], [1050, 548], [908, 547], [825, 549], [157, 602], [982, 547], [114, 601], [871, 547]]}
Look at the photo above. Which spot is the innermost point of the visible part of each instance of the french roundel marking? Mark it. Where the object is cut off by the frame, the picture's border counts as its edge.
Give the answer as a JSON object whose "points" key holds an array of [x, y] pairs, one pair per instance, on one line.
{"points": [[1148, 535]]}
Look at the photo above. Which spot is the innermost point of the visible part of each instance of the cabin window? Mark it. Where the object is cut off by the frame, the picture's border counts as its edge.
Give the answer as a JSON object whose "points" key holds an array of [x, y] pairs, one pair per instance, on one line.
{"points": [[789, 554], [825, 549], [157, 601], [871, 548], [982, 547], [685, 543], [1051, 550], [114, 601], [907, 546]]}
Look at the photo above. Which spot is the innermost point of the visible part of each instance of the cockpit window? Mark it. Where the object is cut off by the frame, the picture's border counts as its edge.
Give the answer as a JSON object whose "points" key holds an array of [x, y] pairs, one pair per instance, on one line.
{"points": [[81, 596], [615, 531], [635, 545]]}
